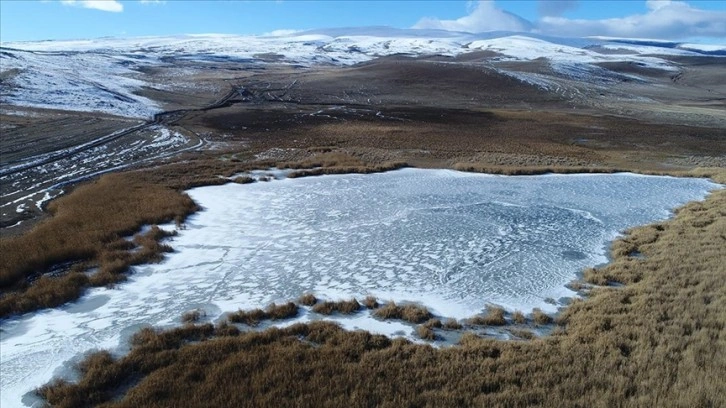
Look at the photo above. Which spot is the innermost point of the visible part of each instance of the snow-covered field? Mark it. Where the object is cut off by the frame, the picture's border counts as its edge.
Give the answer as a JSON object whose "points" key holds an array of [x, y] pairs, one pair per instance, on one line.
{"points": [[451, 241], [86, 82], [103, 75]]}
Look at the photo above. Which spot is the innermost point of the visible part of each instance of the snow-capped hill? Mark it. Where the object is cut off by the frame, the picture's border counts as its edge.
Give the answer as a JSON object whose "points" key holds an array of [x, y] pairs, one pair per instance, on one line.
{"points": [[383, 32], [528, 48], [661, 47], [104, 74], [524, 48], [377, 46], [76, 82], [708, 49]]}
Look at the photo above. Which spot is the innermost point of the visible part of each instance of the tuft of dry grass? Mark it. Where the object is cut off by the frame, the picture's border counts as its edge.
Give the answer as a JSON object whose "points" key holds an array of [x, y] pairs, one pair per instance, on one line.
{"points": [[451, 324], [410, 312], [342, 306], [272, 312], [307, 299], [518, 317], [426, 333], [243, 180], [193, 316], [285, 311], [541, 318], [249, 317], [370, 302], [494, 317], [433, 324]]}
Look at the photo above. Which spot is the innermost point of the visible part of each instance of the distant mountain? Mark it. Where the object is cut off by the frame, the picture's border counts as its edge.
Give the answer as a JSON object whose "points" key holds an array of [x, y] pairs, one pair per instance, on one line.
{"points": [[105, 74]]}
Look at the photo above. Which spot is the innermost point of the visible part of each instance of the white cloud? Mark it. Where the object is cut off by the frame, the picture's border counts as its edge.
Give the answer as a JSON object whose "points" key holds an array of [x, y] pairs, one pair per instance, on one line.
{"points": [[656, 4], [104, 5], [665, 19], [486, 16]]}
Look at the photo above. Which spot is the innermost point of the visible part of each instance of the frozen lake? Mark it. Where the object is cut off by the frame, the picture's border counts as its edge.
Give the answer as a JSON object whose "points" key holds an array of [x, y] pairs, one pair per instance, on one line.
{"points": [[451, 241]]}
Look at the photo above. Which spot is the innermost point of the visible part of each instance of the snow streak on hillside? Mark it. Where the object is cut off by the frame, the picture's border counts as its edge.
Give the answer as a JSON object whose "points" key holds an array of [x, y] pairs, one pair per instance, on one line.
{"points": [[104, 75], [92, 82]]}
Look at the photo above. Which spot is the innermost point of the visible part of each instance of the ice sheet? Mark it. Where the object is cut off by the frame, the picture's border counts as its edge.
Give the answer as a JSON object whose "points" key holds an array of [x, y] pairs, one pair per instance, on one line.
{"points": [[451, 241]]}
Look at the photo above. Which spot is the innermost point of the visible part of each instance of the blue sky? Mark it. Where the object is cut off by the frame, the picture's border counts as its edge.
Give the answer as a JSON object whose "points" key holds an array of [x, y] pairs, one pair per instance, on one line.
{"points": [[702, 21]]}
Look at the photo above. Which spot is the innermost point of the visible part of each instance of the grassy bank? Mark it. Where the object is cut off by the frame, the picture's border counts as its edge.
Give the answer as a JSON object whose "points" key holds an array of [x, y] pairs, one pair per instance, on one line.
{"points": [[655, 340], [89, 230]]}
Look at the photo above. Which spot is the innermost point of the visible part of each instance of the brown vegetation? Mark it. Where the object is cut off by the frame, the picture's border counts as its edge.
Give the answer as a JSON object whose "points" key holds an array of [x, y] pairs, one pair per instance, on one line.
{"points": [[364, 169], [518, 317], [370, 302], [342, 306], [193, 316], [243, 180], [541, 318], [494, 317], [272, 312], [530, 170], [451, 324], [652, 342], [307, 299], [410, 313], [523, 334], [426, 333], [87, 229], [433, 324]]}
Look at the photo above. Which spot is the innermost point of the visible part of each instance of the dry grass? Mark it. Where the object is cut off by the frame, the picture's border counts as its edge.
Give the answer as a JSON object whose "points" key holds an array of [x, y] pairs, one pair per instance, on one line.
{"points": [[342, 306], [518, 317], [325, 159], [451, 324], [249, 317], [656, 341], [541, 318], [193, 316], [272, 312], [362, 169], [410, 313], [426, 333], [523, 334], [433, 324], [86, 228], [243, 180], [494, 317], [370, 302], [530, 170], [307, 299]]}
